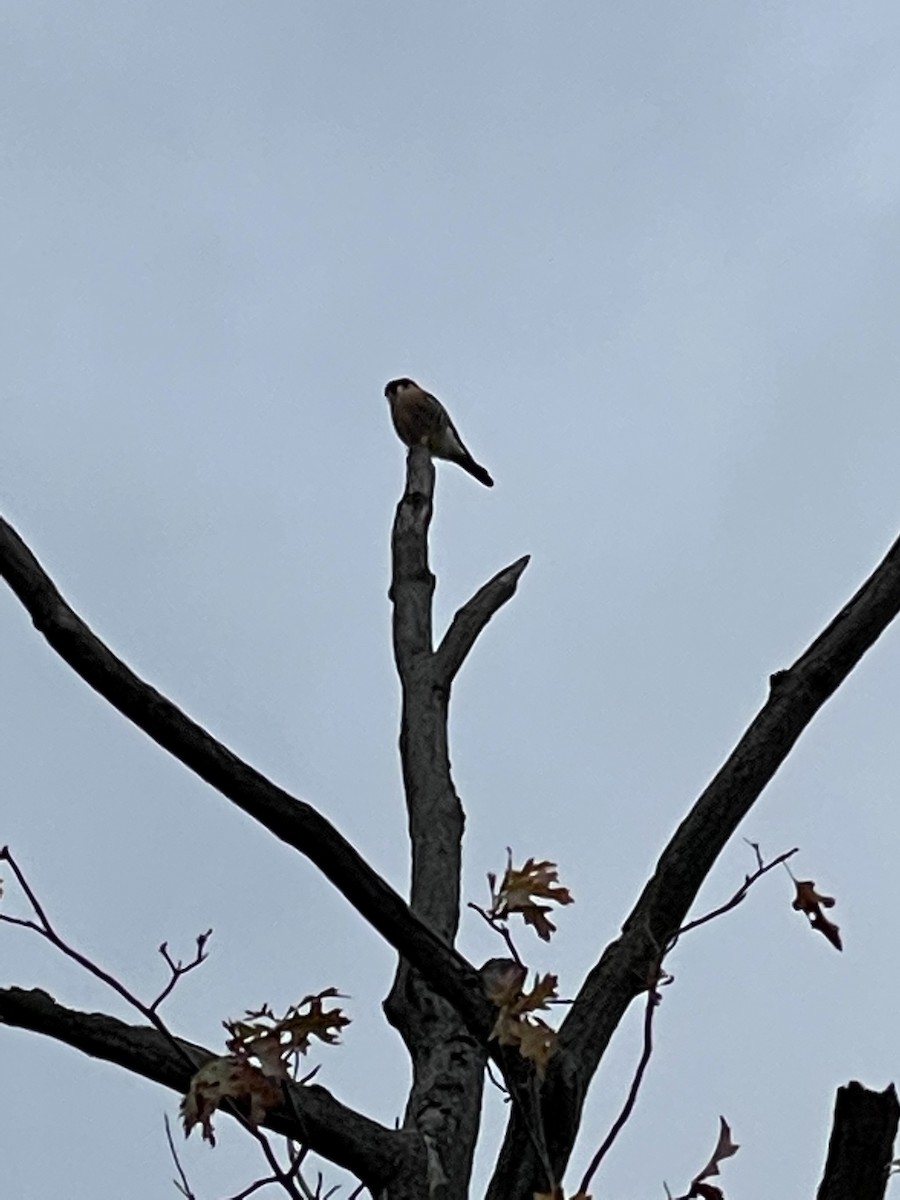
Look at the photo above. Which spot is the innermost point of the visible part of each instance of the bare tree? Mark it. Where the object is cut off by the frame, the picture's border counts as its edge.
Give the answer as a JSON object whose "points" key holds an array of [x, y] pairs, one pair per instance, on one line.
{"points": [[440, 1003]]}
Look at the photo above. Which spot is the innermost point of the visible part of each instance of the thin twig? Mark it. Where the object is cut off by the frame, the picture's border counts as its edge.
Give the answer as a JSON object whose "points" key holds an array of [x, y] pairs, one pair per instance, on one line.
{"points": [[184, 1187], [297, 1156], [737, 897], [497, 1082], [499, 926], [658, 978], [255, 1186], [45, 929], [179, 968], [286, 1178], [611, 985], [653, 999]]}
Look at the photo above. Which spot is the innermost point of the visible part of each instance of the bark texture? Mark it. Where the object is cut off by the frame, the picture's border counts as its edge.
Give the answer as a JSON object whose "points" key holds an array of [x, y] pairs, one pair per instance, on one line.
{"points": [[862, 1144], [448, 1063], [373, 1153]]}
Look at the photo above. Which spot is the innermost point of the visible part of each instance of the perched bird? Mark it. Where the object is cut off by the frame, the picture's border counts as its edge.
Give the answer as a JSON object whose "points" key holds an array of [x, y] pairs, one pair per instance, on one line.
{"points": [[421, 420]]}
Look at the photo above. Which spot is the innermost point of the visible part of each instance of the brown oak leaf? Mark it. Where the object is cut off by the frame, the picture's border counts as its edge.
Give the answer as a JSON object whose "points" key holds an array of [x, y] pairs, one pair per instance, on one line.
{"points": [[515, 1025], [520, 890], [276, 1042], [725, 1147], [811, 902], [222, 1079]]}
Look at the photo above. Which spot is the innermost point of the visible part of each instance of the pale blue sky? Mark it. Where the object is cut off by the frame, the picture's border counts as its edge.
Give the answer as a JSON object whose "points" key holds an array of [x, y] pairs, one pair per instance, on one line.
{"points": [[648, 256]]}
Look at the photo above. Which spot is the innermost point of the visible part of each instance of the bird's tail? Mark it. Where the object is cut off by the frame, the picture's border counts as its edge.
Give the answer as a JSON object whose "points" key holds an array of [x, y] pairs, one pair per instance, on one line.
{"points": [[469, 464]]}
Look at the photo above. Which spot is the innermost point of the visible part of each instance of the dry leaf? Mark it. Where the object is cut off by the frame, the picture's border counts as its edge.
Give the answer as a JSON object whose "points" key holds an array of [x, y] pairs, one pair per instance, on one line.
{"points": [[537, 1041], [515, 1026], [706, 1191], [520, 890], [275, 1041], [227, 1078], [272, 1041], [810, 902], [725, 1147]]}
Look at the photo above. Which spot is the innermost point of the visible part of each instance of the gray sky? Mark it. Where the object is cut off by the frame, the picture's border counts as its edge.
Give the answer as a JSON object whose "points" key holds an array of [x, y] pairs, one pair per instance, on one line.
{"points": [[647, 254]]}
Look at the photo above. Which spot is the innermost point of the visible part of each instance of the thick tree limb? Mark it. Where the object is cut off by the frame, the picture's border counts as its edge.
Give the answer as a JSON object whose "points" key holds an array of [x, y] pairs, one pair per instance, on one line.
{"points": [[435, 814], [447, 1062], [290, 819], [861, 1145], [471, 619], [795, 696], [433, 807], [374, 1154]]}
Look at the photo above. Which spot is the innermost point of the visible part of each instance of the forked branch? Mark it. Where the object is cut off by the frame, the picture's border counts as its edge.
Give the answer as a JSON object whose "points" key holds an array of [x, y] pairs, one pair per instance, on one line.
{"points": [[347, 1138], [795, 696], [447, 1063], [292, 820]]}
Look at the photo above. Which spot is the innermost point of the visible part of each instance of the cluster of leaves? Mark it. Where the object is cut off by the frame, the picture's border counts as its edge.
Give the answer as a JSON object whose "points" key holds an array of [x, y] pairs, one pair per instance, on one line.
{"points": [[263, 1053], [516, 1024], [520, 891]]}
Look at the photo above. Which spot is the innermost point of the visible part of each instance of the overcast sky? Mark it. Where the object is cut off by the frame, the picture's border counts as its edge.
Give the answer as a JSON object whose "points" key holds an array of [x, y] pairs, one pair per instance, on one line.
{"points": [[647, 254]]}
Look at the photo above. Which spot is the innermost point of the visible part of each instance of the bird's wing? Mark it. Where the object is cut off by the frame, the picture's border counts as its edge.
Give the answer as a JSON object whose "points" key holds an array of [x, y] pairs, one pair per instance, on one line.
{"points": [[446, 440], [417, 416]]}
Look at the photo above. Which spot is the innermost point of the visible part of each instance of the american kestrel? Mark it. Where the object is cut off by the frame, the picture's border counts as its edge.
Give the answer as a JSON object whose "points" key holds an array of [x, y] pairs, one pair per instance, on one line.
{"points": [[421, 420]]}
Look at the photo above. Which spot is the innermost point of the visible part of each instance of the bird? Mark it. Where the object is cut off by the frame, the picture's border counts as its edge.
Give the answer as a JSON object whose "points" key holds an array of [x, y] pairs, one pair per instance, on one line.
{"points": [[421, 420]]}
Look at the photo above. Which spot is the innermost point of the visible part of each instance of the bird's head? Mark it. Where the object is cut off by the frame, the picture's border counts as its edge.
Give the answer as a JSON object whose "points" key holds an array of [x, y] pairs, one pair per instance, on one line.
{"points": [[396, 386]]}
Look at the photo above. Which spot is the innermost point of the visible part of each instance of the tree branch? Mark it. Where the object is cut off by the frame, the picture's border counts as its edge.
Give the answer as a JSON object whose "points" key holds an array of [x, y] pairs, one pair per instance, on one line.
{"points": [[433, 807], [861, 1144], [474, 615], [290, 819], [795, 696], [412, 583], [447, 1062], [373, 1153]]}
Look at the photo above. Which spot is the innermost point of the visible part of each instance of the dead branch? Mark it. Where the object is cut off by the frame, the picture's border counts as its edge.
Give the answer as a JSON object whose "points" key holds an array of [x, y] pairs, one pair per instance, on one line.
{"points": [[292, 820], [349, 1139], [448, 1064], [795, 696], [861, 1144]]}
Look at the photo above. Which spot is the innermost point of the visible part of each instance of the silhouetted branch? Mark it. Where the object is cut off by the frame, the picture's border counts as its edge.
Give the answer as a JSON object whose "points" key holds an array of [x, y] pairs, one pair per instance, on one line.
{"points": [[658, 978], [652, 1002], [861, 1144], [369, 1150], [433, 807], [739, 896], [293, 821], [179, 968], [474, 615], [795, 696], [447, 1063]]}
